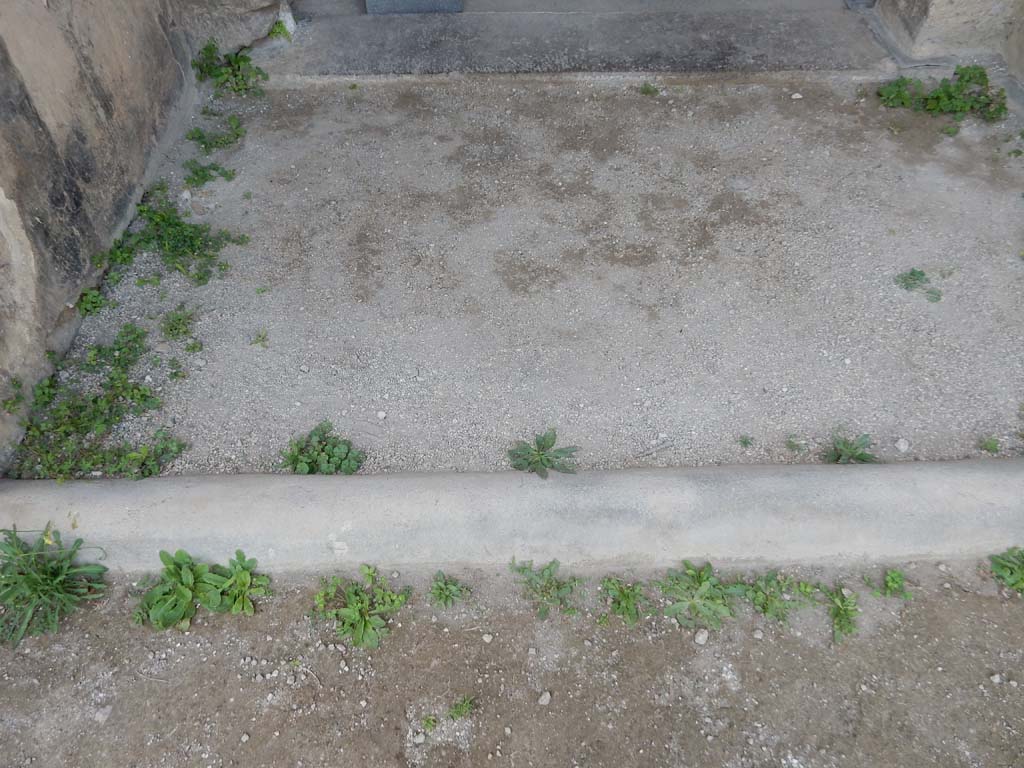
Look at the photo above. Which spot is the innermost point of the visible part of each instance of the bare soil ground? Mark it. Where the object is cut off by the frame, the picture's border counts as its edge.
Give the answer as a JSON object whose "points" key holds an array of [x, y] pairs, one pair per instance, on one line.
{"points": [[477, 258], [937, 680]]}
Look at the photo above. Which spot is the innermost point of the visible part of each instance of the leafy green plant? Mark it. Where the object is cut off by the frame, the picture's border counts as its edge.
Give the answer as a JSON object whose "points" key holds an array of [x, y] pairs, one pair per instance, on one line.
{"points": [[260, 339], [322, 452], [745, 441], [989, 445], [214, 140], [542, 455], [177, 324], [428, 723], [894, 584], [697, 598], [795, 444], [280, 29], [772, 595], [67, 431], [968, 92], [201, 173], [842, 610], [445, 590], [90, 302], [625, 600], [462, 708], [176, 371], [845, 450], [360, 611], [649, 89], [194, 346], [1009, 568], [912, 279], [40, 583], [545, 589], [184, 583], [13, 403], [232, 72], [191, 249], [951, 130]]}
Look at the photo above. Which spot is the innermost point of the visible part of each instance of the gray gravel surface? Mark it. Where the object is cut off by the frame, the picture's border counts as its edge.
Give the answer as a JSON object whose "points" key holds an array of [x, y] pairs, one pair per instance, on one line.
{"points": [[453, 263]]}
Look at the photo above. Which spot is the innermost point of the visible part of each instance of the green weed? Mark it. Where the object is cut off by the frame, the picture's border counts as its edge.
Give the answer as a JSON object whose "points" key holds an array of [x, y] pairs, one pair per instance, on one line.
{"points": [[428, 723], [968, 92], [176, 371], [200, 173], [625, 600], [697, 598], [545, 589], [745, 441], [1008, 568], [40, 583], [13, 403], [208, 142], [951, 130], [322, 452], [445, 591], [229, 72], [261, 290], [912, 280], [260, 339], [153, 280], [795, 444], [842, 610], [278, 29], [177, 324], [845, 450], [90, 302], [772, 595], [360, 611], [933, 294], [649, 89], [989, 445], [894, 584], [462, 708], [194, 346], [542, 455]]}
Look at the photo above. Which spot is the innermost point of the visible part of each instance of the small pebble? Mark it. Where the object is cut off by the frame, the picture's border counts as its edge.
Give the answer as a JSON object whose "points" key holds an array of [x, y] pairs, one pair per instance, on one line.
{"points": [[381, 415], [758, 634], [796, 96], [419, 738], [545, 698], [488, 638], [701, 636], [245, 737], [996, 678]]}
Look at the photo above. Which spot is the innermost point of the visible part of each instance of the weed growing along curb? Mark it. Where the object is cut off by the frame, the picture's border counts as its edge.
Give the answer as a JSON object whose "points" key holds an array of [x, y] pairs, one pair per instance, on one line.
{"points": [[200, 173], [464, 707], [649, 89], [260, 339], [322, 452], [208, 142], [625, 600], [66, 430], [917, 280], [40, 584], [697, 598], [544, 589], [542, 455], [774, 596], [842, 610], [1008, 568], [845, 450], [191, 249], [90, 302], [969, 92], [230, 72], [184, 583], [989, 445], [362, 611], [445, 591], [894, 584]]}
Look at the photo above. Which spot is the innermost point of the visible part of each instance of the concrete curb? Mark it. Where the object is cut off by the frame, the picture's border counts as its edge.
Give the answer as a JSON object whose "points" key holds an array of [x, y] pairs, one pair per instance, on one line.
{"points": [[627, 518]]}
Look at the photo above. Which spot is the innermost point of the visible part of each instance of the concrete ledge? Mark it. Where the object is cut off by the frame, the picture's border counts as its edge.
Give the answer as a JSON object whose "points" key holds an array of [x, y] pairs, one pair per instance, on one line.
{"points": [[631, 518]]}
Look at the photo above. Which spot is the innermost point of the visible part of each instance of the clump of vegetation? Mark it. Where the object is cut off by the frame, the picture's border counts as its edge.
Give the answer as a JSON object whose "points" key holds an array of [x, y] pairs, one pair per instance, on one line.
{"points": [[13, 403], [90, 302], [774, 596], [191, 249], [845, 450], [360, 611], [545, 589], [894, 584], [697, 598], [745, 441], [842, 610], [176, 372], [445, 590], [194, 346], [428, 723], [229, 72], [280, 29], [67, 431], [177, 324], [989, 445], [649, 89], [200, 173], [214, 140], [184, 584], [322, 452], [1008, 568], [967, 93], [542, 455], [462, 708], [795, 444], [40, 583], [916, 280], [625, 600], [261, 339]]}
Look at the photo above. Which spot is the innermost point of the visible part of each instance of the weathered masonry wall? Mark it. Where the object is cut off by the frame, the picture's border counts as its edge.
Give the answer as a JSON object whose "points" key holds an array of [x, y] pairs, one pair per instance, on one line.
{"points": [[87, 89]]}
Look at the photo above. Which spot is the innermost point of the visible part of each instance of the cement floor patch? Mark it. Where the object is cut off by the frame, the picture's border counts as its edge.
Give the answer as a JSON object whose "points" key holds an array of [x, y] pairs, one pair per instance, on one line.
{"points": [[444, 265]]}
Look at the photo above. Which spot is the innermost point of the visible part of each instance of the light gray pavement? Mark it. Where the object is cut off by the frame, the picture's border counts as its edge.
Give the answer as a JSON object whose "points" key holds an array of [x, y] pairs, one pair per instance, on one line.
{"points": [[635, 519]]}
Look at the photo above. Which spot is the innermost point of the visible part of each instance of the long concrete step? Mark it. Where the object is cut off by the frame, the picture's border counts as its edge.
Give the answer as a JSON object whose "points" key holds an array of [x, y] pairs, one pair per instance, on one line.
{"points": [[626, 518], [610, 35]]}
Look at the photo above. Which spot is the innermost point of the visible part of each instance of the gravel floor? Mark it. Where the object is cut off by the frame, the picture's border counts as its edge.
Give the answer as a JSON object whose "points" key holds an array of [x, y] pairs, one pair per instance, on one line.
{"points": [[934, 681], [443, 265]]}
